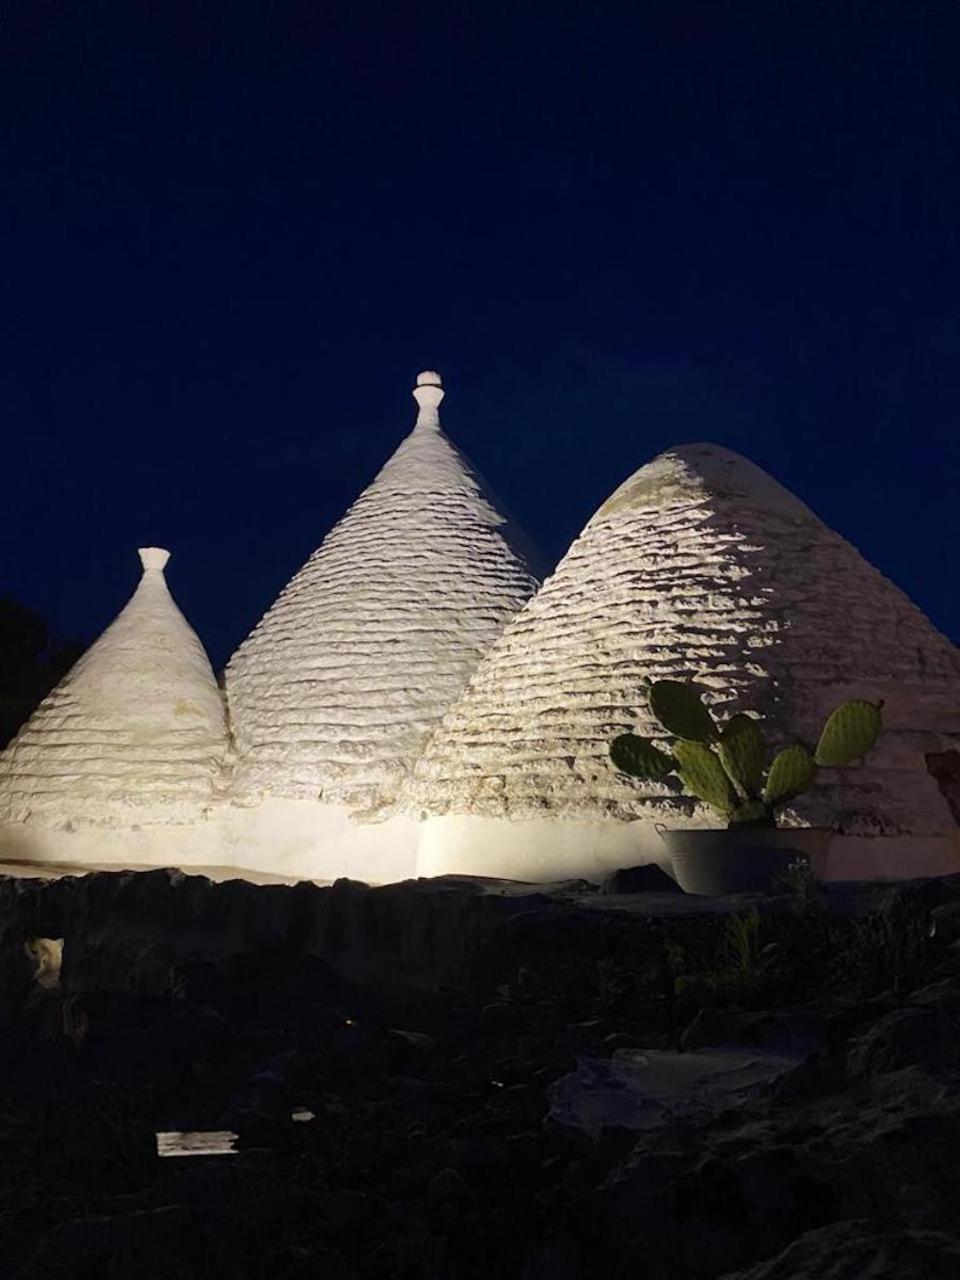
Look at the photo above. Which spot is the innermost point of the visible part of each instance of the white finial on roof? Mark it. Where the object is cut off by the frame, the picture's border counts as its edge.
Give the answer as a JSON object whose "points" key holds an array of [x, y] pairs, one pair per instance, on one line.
{"points": [[428, 393], [153, 558]]}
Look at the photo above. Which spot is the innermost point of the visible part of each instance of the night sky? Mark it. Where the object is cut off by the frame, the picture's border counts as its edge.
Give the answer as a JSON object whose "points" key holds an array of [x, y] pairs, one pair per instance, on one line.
{"points": [[232, 234]]}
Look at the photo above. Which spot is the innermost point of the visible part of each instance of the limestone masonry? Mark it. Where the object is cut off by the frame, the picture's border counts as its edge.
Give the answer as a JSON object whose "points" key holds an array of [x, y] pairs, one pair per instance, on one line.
{"points": [[133, 737], [334, 693], [701, 567], [409, 705]]}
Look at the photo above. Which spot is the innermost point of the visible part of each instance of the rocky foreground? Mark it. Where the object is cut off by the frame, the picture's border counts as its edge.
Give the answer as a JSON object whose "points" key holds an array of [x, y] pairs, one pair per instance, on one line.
{"points": [[457, 1078]]}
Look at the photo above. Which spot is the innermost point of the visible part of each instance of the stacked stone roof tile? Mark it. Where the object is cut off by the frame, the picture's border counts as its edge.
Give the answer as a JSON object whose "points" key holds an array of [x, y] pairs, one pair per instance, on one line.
{"points": [[333, 694], [701, 567], [135, 733]]}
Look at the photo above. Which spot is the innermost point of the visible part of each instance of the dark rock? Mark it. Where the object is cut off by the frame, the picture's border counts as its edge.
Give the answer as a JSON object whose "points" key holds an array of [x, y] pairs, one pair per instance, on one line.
{"points": [[646, 879], [479, 1157], [185, 1004], [795, 1034], [893, 1148], [149, 1244], [449, 1186], [943, 996], [647, 1090], [560, 1258], [187, 1037], [586, 1035], [945, 923], [349, 1212], [417, 1040], [614, 1143], [524, 1104], [903, 1038], [862, 1250], [502, 1016], [421, 1093], [404, 940], [695, 1214], [511, 1069], [621, 1040]]}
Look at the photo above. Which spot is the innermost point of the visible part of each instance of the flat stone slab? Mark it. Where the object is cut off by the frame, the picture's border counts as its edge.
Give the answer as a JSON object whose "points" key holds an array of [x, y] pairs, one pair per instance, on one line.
{"points": [[210, 1143], [640, 1090], [852, 898]]}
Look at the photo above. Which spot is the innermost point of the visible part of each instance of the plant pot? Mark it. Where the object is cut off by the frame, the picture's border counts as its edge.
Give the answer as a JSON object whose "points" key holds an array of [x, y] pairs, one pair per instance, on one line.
{"points": [[725, 861]]}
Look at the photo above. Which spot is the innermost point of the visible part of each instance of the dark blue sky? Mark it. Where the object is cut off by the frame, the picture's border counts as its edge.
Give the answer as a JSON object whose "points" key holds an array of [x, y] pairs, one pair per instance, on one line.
{"points": [[231, 234]]}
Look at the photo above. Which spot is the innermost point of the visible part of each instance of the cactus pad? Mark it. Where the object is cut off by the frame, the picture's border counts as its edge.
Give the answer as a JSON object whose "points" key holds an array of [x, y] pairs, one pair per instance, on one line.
{"points": [[791, 773], [681, 712], [639, 757], [703, 776], [849, 733], [743, 753]]}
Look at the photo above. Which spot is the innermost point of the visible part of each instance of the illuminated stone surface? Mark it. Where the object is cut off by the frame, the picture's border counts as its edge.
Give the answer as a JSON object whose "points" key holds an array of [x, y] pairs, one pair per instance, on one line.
{"points": [[221, 1142], [134, 737], [333, 695], [699, 567], [363, 747]]}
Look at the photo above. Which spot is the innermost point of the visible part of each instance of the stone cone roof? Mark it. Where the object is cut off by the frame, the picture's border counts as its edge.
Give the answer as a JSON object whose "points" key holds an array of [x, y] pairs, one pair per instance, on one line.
{"points": [[134, 733], [699, 567], [333, 694]]}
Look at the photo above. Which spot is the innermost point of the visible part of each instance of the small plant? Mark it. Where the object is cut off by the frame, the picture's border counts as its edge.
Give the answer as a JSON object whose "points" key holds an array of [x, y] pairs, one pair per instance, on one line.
{"points": [[726, 767], [799, 882], [614, 986], [748, 958], [740, 962], [741, 939], [888, 949]]}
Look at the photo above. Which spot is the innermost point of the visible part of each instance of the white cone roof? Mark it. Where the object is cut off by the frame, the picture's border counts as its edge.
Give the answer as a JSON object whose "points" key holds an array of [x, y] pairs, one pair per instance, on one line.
{"points": [[699, 567], [334, 693], [134, 734]]}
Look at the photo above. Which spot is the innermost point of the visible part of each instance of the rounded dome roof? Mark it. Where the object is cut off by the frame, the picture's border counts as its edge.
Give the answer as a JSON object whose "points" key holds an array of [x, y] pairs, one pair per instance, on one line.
{"points": [[701, 567], [134, 733], [333, 694]]}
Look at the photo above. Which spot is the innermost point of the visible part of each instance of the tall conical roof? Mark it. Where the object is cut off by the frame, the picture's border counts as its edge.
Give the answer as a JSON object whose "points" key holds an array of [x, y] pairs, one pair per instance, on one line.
{"points": [[699, 567], [334, 692], [134, 733]]}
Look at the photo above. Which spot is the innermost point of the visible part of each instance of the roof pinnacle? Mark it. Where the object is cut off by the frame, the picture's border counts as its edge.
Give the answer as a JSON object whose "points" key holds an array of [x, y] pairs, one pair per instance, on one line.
{"points": [[428, 393], [153, 558]]}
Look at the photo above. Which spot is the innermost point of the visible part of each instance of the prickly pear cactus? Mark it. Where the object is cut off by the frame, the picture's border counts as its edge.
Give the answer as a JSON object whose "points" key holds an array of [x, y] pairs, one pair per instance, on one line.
{"points": [[640, 758], [679, 709], [726, 769], [751, 813], [791, 773], [850, 732], [703, 775], [743, 753]]}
